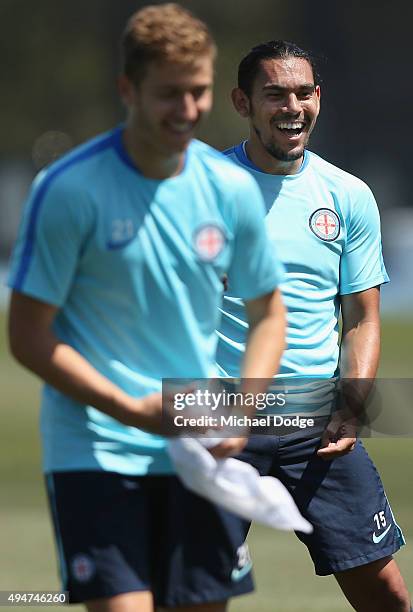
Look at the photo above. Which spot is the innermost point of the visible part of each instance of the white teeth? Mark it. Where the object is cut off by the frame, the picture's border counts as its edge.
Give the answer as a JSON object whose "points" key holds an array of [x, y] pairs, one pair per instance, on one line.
{"points": [[291, 126], [181, 127]]}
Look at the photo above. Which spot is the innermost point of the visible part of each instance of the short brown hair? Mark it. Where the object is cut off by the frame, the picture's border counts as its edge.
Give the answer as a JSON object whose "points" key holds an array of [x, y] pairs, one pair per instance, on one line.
{"points": [[163, 32]]}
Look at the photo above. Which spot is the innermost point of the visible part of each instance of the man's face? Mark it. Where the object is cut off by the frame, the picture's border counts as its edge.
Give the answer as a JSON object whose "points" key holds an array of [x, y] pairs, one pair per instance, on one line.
{"points": [[166, 106], [284, 106]]}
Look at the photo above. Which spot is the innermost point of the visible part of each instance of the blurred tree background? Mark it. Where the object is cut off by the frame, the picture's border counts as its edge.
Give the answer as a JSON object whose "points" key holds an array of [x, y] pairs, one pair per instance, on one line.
{"points": [[61, 61], [58, 84]]}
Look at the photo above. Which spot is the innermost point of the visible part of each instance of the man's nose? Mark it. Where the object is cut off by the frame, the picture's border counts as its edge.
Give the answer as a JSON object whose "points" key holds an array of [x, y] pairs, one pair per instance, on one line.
{"points": [[188, 107], [292, 104]]}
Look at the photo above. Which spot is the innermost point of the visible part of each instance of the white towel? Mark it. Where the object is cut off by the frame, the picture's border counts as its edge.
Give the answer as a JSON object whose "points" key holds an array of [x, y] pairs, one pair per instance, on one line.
{"points": [[235, 485]]}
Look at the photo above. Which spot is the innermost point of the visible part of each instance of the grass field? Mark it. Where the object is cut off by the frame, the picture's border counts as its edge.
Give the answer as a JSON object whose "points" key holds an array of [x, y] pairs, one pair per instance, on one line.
{"points": [[283, 569]]}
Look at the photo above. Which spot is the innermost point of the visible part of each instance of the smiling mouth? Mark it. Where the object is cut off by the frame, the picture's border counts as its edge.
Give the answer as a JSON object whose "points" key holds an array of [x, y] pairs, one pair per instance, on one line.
{"points": [[181, 127], [291, 128]]}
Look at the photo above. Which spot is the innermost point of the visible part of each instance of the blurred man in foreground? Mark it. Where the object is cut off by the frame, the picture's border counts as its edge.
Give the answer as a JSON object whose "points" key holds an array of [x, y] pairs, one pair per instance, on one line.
{"points": [[326, 227], [116, 281]]}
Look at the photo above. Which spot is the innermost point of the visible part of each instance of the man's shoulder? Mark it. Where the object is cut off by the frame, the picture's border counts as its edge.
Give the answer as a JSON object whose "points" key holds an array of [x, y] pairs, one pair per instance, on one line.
{"points": [[221, 167], [336, 177], [230, 153], [72, 167]]}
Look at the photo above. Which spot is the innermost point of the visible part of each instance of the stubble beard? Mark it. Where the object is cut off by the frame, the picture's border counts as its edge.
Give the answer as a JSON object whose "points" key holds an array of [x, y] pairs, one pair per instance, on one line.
{"points": [[277, 153]]}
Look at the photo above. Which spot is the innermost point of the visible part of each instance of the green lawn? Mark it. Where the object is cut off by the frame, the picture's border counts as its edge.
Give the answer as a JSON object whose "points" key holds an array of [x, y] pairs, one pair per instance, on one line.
{"points": [[283, 570]]}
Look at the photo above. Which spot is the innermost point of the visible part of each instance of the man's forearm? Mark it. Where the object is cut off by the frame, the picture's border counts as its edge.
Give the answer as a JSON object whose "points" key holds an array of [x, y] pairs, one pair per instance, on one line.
{"points": [[360, 351], [359, 364], [265, 345], [264, 348], [62, 367]]}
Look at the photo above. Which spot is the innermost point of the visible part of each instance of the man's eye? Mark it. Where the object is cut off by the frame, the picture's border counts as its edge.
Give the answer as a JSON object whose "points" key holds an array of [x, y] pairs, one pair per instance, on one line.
{"points": [[198, 92], [306, 94]]}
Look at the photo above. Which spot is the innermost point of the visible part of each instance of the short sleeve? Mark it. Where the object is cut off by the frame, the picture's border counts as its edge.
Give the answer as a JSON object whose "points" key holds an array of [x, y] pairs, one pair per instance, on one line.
{"points": [[362, 265], [54, 225], [255, 269]]}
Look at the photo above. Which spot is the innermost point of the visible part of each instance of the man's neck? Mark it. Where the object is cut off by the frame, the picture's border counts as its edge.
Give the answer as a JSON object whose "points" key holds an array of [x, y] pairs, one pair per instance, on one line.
{"points": [[269, 164], [148, 160]]}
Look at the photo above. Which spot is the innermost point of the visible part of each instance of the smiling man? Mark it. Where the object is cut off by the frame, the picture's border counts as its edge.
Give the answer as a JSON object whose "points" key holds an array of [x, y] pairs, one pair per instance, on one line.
{"points": [[326, 228], [116, 279], [279, 137]]}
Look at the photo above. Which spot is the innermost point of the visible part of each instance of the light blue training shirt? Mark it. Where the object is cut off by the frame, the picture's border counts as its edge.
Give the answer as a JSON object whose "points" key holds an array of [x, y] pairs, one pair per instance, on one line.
{"points": [[325, 225], [135, 267]]}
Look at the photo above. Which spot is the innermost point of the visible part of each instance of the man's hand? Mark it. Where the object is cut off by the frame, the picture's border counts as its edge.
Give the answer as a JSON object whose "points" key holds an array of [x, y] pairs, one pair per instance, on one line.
{"points": [[340, 436], [155, 413], [228, 447], [148, 413]]}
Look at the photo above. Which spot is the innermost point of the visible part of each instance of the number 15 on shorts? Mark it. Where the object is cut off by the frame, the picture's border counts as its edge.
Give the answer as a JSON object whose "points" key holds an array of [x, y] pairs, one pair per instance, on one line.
{"points": [[380, 519]]}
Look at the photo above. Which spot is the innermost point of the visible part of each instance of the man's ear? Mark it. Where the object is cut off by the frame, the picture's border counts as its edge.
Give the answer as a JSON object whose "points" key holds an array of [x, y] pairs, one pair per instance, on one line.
{"points": [[241, 102], [318, 95]]}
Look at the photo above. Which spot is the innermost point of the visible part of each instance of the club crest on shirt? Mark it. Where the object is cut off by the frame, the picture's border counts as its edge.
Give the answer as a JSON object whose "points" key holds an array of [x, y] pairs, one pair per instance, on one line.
{"points": [[83, 568], [325, 224], [209, 241]]}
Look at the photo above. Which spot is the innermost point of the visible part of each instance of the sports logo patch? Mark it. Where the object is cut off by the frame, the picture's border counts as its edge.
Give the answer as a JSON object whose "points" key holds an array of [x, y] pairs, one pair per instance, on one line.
{"points": [[244, 563], [325, 224], [209, 241], [121, 234], [83, 567]]}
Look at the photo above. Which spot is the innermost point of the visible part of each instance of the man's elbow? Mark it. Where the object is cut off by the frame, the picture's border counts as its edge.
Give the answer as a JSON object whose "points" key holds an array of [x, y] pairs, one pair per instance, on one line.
{"points": [[16, 344], [29, 329], [20, 342]]}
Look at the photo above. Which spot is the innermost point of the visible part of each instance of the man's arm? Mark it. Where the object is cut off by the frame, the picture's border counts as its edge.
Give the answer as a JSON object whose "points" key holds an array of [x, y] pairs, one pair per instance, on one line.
{"points": [[360, 353], [34, 344], [360, 346], [265, 342], [265, 345]]}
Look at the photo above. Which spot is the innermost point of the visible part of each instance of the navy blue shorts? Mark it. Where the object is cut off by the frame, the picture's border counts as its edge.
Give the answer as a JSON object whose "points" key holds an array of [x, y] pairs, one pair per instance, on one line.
{"points": [[118, 534], [344, 500]]}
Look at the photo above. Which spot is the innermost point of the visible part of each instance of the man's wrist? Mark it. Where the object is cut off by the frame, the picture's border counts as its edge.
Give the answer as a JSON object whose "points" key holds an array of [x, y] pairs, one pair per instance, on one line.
{"points": [[127, 410]]}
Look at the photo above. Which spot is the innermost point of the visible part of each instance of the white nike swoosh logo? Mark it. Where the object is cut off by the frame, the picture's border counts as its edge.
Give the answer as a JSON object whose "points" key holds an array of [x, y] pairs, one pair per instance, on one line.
{"points": [[113, 244], [377, 539], [238, 574]]}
